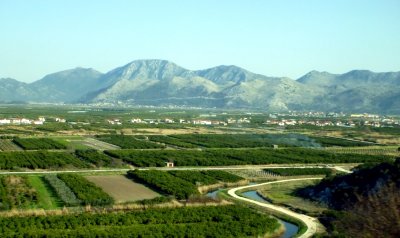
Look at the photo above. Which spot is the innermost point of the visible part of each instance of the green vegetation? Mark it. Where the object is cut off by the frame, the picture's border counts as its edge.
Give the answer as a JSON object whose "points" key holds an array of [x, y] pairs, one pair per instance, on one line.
{"points": [[206, 177], [94, 157], [331, 141], [38, 144], [216, 157], [45, 197], [7, 145], [367, 201], [284, 194], [171, 141], [39, 160], [195, 177], [299, 171], [128, 142], [220, 221], [62, 190], [165, 182], [222, 176], [16, 193], [86, 191], [232, 140]]}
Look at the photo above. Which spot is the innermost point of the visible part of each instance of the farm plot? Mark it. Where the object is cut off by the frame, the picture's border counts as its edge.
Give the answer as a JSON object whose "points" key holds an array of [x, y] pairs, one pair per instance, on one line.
{"points": [[99, 145], [38, 144], [16, 193], [39, 160], [87, 192], [123, 189], [129, 142], [8, 145]]}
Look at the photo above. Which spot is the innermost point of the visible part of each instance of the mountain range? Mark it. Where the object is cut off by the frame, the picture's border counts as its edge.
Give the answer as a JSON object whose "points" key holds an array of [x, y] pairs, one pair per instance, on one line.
{"points": [[161, 82]]}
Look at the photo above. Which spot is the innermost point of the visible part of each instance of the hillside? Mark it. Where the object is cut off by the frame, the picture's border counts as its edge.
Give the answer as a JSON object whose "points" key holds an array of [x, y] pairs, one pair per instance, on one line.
{"points": [[162, 83], [366, 202]]}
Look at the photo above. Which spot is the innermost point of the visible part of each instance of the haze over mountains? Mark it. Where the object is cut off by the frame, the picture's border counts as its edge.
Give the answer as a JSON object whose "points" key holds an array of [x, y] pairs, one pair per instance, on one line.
{"points": [[160, 82]]}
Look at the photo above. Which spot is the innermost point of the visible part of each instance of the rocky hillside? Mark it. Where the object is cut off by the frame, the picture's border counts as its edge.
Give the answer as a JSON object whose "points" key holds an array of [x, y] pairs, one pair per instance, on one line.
{"points": [[160, 82]]}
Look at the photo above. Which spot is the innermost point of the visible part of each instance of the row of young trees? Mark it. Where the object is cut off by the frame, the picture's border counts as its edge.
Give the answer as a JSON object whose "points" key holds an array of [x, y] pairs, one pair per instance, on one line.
{"points": [[299, 171], [39, 159], [220, 157], [62, 190], [164, 182], [94, 157], [128, 142], [38, 144], [87, 192], [171, 141], [212, 221], [206, 177]]}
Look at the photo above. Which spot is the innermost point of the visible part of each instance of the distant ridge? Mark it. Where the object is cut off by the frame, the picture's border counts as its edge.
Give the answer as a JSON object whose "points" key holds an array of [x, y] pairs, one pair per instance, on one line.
{"points": [[161, 82]]}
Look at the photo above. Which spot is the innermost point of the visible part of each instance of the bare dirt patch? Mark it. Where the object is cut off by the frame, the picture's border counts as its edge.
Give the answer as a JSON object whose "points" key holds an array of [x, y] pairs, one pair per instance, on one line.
{"points": [[123, 189]]}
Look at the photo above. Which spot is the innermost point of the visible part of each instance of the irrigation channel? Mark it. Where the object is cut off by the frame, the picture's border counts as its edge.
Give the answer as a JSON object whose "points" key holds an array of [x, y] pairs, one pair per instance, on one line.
{"points": [[251, 196], [290, 228]]}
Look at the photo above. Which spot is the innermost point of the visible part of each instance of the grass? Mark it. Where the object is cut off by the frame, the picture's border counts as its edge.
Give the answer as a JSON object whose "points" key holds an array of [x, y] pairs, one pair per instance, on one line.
{"points": [[47, 199], [282, 194]]}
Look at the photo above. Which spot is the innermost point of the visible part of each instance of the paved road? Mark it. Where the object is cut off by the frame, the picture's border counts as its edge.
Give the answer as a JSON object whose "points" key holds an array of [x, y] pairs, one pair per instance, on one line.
{"points": [[245, 167], [310, 222]]}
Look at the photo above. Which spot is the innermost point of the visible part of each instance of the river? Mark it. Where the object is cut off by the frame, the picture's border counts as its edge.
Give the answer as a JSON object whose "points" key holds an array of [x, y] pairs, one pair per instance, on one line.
{"points": [[290, 228]]}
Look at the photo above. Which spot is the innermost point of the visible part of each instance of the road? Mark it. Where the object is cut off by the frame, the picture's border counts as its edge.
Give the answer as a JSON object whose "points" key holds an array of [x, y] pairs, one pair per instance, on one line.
{"points": [[310, 222], [245, 167]]}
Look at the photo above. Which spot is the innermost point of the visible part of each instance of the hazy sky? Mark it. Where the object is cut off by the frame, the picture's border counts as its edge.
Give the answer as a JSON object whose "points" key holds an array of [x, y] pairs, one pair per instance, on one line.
{"points": [[275, 38]]}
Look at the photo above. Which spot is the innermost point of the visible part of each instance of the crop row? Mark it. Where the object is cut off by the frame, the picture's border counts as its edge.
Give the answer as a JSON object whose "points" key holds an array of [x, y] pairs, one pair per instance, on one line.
{"points": [[128, 142], [87, 192], [62, 190], [38, 143], [299, 171], [220, 157], [205, 177], [171, 141], [212, 221], [94, 157], [38, 159], [165, 182]]}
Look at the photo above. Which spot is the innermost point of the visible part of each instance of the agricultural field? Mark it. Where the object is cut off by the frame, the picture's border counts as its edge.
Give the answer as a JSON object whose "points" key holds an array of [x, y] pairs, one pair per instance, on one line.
{"points": [[128, 142], [122, 189], [203, 221], [17, 193], [94, 157], [334, 141], [8, 145], [98, 145], [370, 150], [87, 192], [63, 192], [39, 160], [38, 144], [169, 140], [299, 171], [165, 183], [223, 157]]}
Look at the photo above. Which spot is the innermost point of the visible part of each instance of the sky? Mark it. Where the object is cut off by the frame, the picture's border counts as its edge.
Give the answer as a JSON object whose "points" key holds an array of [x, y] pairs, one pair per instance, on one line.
{"points": [[275, 38]]}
